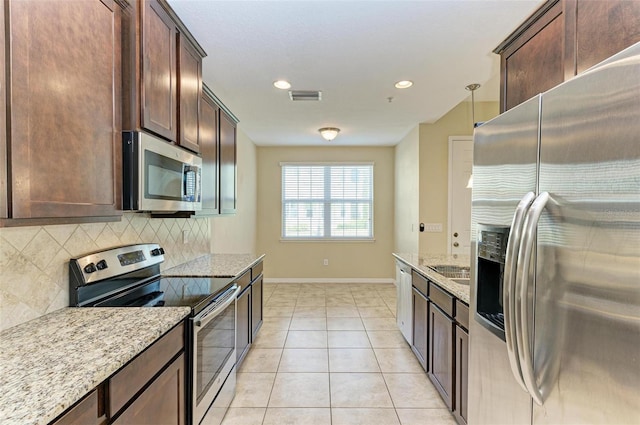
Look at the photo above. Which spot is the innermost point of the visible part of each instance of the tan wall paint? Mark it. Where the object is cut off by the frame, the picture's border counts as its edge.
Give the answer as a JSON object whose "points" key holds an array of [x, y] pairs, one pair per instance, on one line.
{"points": [[407, 193], [434, 168], [236, 234], [304, 259]]}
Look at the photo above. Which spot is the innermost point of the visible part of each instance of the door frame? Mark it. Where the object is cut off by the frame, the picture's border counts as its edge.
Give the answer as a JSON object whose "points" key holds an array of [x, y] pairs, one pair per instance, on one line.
{"points": [[452, 140]]}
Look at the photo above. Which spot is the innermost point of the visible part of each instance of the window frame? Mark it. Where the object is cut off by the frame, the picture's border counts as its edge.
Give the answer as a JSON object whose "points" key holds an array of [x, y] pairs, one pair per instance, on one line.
{"points": [[326, 202]]}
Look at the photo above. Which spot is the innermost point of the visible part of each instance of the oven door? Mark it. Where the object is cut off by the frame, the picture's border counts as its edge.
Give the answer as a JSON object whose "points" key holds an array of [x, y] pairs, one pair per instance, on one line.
{"points": [[214, 353]]}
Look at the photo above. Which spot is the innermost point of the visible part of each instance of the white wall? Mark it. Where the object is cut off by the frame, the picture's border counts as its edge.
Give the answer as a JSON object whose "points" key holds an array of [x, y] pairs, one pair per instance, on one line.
{"points": [[236, 234], [406, 199]]}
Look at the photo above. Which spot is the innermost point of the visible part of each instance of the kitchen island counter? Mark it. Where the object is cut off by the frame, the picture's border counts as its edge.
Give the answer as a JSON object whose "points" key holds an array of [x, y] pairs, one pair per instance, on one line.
{"points": [[49, 363], [420, 263]]}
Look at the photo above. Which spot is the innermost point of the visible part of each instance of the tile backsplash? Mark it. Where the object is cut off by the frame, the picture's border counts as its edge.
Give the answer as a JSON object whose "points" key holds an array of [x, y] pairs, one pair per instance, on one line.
{"points": [[34, 261]]}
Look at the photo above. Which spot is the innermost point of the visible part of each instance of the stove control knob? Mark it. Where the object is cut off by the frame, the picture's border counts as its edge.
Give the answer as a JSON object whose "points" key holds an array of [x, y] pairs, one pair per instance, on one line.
{"points": [[155, 252], [102, 264], [162, 251], [90, 268]]}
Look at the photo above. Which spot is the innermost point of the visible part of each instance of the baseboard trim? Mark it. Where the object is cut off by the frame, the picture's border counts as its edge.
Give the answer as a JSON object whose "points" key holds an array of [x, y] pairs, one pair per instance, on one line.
{"points": [[327, 280]]}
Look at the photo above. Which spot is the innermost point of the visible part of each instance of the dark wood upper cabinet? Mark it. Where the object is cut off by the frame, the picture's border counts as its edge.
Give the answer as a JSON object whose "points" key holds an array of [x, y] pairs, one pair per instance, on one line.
{"points": [[598, 29], [190, 92], [158, 71], [210, 160], [64, 110], [3, 124], [560, 40], [227, 164], [163, 74]]}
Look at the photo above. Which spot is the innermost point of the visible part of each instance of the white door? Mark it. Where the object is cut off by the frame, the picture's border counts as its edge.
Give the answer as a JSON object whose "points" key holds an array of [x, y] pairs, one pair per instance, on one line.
{"points": [[460, 168]]}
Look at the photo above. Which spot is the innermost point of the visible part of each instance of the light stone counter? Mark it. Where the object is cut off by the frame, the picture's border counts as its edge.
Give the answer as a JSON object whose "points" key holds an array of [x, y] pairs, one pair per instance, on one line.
{"points": [[49, 363], [215, 265], [419, 262]]}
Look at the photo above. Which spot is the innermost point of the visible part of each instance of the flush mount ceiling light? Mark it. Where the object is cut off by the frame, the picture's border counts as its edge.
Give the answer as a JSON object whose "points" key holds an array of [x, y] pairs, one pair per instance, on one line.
{"points": [[282, 84], [329, 133], [404, 84]]}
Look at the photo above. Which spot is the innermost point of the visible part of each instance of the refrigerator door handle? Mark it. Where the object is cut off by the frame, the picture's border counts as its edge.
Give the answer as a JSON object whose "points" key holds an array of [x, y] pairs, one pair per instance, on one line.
{"points": [[509, 290], [524, 262]]}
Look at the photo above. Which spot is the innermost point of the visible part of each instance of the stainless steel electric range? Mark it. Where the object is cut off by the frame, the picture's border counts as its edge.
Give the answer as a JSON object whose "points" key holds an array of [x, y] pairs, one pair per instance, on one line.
{"points": [[129, 276]]}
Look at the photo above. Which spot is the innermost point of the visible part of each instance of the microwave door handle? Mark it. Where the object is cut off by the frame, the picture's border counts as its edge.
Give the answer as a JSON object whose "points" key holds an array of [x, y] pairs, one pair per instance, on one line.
{"points": [[525, 255], [508, 302]]}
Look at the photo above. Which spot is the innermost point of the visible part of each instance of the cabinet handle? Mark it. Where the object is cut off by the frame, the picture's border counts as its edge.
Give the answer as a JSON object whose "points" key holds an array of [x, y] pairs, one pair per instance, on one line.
{"points": [[456, 244], [455, 235]]}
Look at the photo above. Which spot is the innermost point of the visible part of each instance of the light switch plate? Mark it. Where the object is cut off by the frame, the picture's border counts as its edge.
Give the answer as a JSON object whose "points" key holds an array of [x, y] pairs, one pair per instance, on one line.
{"points": [[433, 227]]}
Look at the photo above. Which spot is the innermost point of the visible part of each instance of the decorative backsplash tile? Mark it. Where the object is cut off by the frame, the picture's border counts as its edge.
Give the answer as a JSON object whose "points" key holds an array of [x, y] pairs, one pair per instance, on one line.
{"points": [[34, 261]]}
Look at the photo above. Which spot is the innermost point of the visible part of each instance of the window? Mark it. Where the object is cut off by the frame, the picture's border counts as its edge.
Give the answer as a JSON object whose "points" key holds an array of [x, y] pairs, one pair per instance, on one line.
{"points": [[327, 201]]}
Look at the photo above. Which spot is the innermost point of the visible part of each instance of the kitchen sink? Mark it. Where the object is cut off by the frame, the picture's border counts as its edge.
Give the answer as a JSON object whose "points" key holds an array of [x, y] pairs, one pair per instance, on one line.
{"points": [[459, 274]]}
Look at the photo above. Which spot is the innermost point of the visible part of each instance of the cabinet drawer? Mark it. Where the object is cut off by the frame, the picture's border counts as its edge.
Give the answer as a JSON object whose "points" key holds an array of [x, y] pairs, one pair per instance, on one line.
{"points": [[244, 281], [133, 377], [85, 412], [256, 271], [441, 298], [462, 314], [420, 282]]}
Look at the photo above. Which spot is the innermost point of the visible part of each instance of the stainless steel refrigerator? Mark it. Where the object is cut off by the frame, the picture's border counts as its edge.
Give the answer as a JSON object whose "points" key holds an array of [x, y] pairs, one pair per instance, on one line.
{"points": [[555, 299]]}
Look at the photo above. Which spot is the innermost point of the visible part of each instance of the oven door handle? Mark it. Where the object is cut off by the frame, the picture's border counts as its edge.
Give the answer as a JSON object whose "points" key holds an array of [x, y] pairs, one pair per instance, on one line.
{"points": [[217, 306]]}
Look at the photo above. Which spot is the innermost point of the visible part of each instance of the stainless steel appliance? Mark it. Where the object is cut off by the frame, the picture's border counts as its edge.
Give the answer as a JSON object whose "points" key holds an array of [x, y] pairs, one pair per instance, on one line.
{"points": [[404, 314], [129, 276], [556, 242], [159, 176]]}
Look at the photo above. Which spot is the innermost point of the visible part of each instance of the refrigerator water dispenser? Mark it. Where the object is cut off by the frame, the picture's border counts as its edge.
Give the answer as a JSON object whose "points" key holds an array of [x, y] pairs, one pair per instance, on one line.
{"points": [[492, 247]]}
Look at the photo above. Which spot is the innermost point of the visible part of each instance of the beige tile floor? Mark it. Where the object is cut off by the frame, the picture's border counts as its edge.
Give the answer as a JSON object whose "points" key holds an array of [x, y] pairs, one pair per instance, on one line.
{"points": [[331, 354]]}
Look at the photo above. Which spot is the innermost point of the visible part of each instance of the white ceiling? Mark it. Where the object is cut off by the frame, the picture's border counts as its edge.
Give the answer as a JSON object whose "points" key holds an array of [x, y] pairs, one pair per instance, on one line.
{"points": [[354, 52]]}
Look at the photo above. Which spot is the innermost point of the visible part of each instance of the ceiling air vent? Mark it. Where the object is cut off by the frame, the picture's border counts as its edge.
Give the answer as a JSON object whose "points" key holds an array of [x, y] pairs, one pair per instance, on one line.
{"points": [[305, 95]]}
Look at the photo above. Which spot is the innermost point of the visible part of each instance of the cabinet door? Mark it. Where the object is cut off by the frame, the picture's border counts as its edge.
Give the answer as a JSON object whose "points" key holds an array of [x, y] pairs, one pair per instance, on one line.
{"points": [[162, 402], [256, 306], [65, 102], [3, 124], [441, 352], [534, 62], [159, 80], [209, 152], [85, 412], [462, 375], [243, 331], [420, 320], [190, 88], [596, 30], [227, 164]]}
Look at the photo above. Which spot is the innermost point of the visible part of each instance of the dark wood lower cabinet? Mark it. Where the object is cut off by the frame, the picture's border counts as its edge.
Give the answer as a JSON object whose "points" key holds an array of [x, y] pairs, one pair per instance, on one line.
{"points": [[440, 360], [256, 306], [461, 374], [420, 327], [85, 412], [243, 326], [162, 402]]}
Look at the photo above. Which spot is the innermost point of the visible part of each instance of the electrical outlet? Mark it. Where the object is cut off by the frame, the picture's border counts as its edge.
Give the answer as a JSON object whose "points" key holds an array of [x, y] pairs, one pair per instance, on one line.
{"points": [[185, 236], [325, 262], [433, 227]]}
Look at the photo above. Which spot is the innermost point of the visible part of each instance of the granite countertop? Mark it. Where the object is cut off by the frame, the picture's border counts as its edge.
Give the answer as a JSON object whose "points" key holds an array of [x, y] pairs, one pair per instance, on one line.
{"points": [[215, 265], [419, 262], [49, 363]]}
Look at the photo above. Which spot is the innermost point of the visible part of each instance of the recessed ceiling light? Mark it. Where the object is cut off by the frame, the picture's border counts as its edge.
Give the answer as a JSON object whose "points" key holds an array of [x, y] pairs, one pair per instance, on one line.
{"points": [[282, 84], [404, 84]]}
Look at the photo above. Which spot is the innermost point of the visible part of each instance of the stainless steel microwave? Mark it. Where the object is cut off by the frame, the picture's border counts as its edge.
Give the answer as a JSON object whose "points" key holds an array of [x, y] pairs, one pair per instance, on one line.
{"points": [[159, 176]]}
